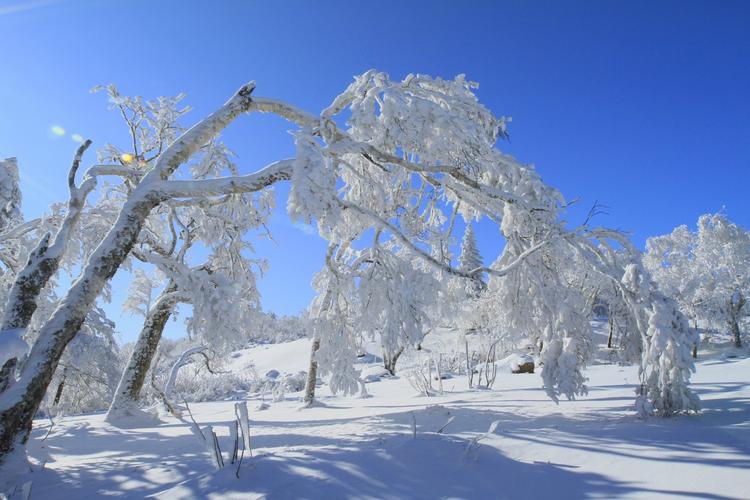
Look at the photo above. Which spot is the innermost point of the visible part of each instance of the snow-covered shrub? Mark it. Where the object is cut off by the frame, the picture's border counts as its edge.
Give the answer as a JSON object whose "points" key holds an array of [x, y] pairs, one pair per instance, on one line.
{"points": [[667, 364], [195, 383]]}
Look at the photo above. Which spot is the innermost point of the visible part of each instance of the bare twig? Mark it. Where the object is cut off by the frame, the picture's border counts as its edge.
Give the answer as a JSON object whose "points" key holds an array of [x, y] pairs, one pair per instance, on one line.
{"points": [[451, 419], [187, 406]]}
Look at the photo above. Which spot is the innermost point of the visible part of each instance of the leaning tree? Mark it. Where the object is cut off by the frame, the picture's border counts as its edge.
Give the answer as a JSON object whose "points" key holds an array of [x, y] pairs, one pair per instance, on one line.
{"points": [[220, 288]]}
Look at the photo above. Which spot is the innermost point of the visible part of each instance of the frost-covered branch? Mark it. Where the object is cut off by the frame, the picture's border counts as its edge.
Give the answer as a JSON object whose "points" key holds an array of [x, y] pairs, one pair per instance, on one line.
{"points": [[45, 258], [182, 361], [284, 110], [471, 274], [200, 189]]}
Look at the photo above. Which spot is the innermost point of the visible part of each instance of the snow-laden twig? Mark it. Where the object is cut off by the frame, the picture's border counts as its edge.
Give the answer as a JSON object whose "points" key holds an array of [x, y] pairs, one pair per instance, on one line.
{"points": [[450, 419], [474, 442], [182, 361]]}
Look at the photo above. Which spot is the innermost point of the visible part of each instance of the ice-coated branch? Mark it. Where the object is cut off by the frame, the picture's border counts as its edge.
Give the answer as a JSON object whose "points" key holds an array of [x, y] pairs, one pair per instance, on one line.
{"points": [[384, 224], [182, 361], [199, 189], [114, 170], [20, 230], [74, 167], [199, 134], [45, 258], [345, 145], [285, 110]]}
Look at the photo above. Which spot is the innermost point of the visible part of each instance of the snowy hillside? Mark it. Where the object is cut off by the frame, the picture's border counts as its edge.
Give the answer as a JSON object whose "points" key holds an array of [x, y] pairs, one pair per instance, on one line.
{"points": [[365, 448]]}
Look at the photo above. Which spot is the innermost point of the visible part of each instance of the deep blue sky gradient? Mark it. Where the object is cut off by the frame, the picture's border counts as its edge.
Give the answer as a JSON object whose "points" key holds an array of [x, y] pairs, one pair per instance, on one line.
{"points": [[641, 106]]}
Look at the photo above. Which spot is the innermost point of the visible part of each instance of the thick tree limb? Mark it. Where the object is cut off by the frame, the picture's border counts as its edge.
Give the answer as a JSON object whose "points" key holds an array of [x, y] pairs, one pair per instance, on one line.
{"points": [[45, 259], [275, 172]]}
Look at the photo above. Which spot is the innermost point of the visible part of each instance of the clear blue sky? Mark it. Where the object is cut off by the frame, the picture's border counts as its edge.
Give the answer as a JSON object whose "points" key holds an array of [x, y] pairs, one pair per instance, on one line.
{"points": [[642, 106]]}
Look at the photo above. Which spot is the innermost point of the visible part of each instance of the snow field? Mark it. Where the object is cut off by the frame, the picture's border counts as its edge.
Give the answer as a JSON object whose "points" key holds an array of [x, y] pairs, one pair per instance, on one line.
{"points": [[364, 448]]}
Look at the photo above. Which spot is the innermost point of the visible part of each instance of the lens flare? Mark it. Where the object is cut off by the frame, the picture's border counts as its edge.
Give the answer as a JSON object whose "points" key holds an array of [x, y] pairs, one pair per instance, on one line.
{"points": [[127, 157], [77, 137], [58, 130]]}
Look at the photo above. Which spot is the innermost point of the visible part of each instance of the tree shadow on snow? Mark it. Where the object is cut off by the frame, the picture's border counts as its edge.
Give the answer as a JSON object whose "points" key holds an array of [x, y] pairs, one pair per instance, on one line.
{"points": [[393, 464], [384, 461], [396, 466]]}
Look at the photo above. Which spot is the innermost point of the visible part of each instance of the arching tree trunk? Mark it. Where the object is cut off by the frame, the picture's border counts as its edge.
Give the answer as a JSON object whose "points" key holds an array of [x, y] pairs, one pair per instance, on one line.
{"points": [[182, 361], [129, 389], [312, 374]]}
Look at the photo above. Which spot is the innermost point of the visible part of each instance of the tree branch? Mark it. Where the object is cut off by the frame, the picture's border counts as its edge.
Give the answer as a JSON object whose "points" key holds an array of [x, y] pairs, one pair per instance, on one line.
{"points": [[432, 260], [74, 167], [275, 172]]}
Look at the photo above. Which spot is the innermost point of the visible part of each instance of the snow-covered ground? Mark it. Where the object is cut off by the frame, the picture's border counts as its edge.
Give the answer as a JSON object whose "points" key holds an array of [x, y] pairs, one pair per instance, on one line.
{"points": [[364, 448]]}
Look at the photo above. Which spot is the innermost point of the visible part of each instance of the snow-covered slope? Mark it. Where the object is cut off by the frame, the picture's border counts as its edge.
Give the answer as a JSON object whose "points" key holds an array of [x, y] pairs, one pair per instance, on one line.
{"points": [[364, 448]]}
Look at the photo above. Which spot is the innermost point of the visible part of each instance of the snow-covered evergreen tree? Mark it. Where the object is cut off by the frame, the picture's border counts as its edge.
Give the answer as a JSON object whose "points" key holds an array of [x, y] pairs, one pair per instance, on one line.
{"points": [[666, 362], [469, 259]]}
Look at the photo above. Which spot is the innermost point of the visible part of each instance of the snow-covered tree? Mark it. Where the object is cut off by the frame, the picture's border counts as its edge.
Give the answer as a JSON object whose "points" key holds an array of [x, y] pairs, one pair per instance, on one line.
{"points": [[31, 296], [394, 294], [705, 271], [220, 288], [533, 306], [88, 370], [470, 259], [666, 362], [43, 262]]}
